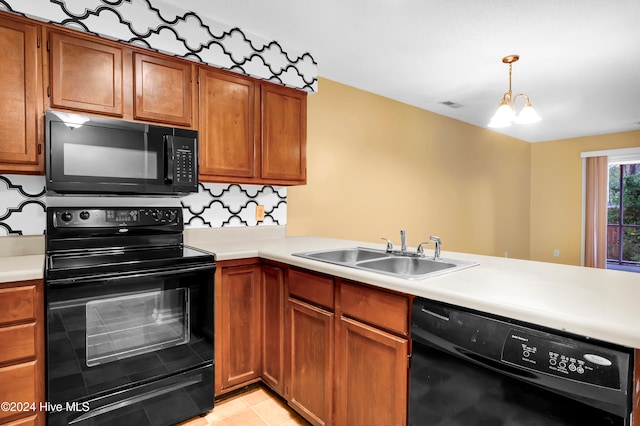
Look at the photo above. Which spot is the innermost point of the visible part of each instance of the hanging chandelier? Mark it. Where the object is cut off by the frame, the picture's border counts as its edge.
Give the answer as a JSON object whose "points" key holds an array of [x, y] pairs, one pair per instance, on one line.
{"points": [[506, 114]]}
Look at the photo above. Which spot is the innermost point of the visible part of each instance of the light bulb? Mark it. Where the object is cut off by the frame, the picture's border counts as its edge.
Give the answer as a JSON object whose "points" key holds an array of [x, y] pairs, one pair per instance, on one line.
{"points": [[503, 117], [527, 115]]}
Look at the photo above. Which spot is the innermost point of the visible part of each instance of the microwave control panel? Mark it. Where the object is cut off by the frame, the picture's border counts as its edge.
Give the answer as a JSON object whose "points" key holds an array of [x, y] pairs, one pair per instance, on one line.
{"points": [[185, 168]]}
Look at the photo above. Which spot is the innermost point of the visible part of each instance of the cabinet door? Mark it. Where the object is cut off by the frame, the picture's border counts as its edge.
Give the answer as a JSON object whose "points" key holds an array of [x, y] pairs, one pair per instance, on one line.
{"points": [[162, 90], [21, 105], [240, 324], [227, 125], [310, 379], [18, 383], [372, 377], [85, 75], [284, 134], [273, 327]]}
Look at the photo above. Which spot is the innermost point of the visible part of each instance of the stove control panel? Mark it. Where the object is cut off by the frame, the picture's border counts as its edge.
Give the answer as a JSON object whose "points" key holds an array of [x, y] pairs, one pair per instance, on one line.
{"points": [[116, 217], [564, 358]]}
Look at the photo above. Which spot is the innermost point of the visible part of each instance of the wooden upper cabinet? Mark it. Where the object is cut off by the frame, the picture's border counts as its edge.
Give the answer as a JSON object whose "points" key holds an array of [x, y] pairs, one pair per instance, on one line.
{"points": [[162, 90], [85, 75], [21, 105], [284, 133], [227, 125], [108, 78], [251, 131]]}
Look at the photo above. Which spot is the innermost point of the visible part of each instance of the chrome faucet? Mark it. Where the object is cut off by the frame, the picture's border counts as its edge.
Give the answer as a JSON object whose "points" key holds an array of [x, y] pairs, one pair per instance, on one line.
{"points": [[438, 242], [403, 241], [420, 250], [389, 245]]}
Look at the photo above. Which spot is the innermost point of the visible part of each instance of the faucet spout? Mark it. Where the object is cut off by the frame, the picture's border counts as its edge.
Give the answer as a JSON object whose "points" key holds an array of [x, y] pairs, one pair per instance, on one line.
{"points": [[438, 242], [403, 241], [389, 245]]}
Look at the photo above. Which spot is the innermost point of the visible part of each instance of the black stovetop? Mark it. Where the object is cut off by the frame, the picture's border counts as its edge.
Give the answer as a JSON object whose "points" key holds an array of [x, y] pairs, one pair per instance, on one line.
{"points": [[88, 242], [114, 261]]}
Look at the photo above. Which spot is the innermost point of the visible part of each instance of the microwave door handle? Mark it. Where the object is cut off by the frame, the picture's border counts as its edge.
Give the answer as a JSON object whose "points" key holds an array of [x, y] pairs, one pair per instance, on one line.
{"points": [[168, 159]]}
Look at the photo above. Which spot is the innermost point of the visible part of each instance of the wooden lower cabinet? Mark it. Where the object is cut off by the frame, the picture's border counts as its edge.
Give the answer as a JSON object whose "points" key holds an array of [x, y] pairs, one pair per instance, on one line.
{"points": [[311, 366], [273, 302], [22, 352], [348, 351], [237, 329], [336, 350], [372, 377]]}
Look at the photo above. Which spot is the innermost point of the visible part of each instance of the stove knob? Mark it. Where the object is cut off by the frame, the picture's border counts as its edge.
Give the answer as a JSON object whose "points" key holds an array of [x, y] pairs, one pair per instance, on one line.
{"points": [[156, 214], [66, 216], [84, 215], [172, 215]]}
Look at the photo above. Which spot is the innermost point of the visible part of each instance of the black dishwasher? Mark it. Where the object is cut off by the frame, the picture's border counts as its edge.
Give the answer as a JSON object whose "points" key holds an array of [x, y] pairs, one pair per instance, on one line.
{"points": [[470, 369]]}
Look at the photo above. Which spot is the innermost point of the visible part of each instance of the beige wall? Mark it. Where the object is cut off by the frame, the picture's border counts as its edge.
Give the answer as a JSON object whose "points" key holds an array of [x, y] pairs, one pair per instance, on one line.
{"points": [[556, 193], [376, 166]]}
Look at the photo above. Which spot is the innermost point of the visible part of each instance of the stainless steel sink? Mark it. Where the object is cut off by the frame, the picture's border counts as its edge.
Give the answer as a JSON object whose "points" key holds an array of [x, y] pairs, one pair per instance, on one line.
{"points": [[408, 266], [350, 255]]}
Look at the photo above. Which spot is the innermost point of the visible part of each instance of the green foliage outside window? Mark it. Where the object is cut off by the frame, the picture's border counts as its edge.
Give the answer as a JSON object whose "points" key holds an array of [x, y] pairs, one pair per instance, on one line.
{"points": [[626, 215]]}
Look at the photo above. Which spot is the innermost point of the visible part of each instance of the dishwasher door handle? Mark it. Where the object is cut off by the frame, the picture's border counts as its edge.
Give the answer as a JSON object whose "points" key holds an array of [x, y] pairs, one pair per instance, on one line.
{"points": [[435, 314]]}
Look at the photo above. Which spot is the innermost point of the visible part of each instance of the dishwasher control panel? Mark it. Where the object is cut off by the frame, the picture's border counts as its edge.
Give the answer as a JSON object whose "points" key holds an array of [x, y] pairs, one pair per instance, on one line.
{"points": [[563, 357]]}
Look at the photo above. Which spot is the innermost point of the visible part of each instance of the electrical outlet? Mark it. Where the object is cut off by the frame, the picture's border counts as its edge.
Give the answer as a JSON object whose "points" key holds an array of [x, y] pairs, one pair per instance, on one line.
{"points": [[259, 213], [556, 252]]}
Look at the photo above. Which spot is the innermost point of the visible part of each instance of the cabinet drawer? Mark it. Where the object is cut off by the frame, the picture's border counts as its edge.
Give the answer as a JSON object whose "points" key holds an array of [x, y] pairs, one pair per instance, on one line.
{"points": [[17, 384], [17, 304], [17, 342], [387, 310], [29, 421], [313, 288]]}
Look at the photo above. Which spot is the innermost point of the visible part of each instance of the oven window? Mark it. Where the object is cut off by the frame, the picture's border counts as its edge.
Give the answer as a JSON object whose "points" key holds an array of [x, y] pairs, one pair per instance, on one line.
{"points": [[109, 161], [125, 326]]}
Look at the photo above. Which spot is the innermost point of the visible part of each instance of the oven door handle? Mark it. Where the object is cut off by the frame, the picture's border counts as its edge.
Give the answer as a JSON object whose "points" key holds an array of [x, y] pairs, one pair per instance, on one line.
{"points": [[150, 273]]}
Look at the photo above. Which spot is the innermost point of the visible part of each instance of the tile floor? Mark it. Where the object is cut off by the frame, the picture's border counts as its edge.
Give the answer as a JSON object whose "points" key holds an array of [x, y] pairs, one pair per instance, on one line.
{"points": [[255, 407]]}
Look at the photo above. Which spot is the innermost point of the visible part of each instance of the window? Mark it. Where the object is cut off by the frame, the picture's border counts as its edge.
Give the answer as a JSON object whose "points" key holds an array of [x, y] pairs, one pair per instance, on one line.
{"points": [[623, 217], [610, 209]]}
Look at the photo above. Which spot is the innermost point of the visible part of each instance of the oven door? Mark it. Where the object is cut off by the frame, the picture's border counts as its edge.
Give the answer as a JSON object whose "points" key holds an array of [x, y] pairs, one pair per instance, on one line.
{"points": [[132, 349]]}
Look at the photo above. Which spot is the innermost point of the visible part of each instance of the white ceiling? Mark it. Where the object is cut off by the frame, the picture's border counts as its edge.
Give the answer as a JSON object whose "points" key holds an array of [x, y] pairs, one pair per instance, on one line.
{"points": [[579, 59]]}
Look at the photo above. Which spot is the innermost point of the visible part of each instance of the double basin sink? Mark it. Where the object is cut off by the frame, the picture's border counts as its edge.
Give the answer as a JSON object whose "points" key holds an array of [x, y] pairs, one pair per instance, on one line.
{"points": [[402, 265]]}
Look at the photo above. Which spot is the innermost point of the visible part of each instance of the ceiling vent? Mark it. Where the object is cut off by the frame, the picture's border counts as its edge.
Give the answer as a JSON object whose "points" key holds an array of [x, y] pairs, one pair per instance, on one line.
{"points": [[452, 104]]}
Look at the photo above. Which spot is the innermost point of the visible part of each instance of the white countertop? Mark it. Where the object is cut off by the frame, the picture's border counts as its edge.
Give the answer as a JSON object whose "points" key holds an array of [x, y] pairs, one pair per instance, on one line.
{"points": [[598, 303], [21, 268], [601, 304]]}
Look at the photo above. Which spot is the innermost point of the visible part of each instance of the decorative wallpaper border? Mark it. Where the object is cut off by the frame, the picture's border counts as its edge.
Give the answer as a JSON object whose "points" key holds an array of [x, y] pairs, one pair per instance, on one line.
{"points": [[23, 204], [156, 25], [219, 205]]}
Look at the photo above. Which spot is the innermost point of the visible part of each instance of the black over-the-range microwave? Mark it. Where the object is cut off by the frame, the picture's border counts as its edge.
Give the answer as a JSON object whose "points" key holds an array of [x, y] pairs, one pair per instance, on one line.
{"points": [[90, 155]]}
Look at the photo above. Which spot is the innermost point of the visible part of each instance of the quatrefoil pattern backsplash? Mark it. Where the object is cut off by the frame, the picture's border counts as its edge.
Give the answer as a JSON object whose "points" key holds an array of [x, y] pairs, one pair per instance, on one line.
{"points": [[163, 27], [23, 202]]}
